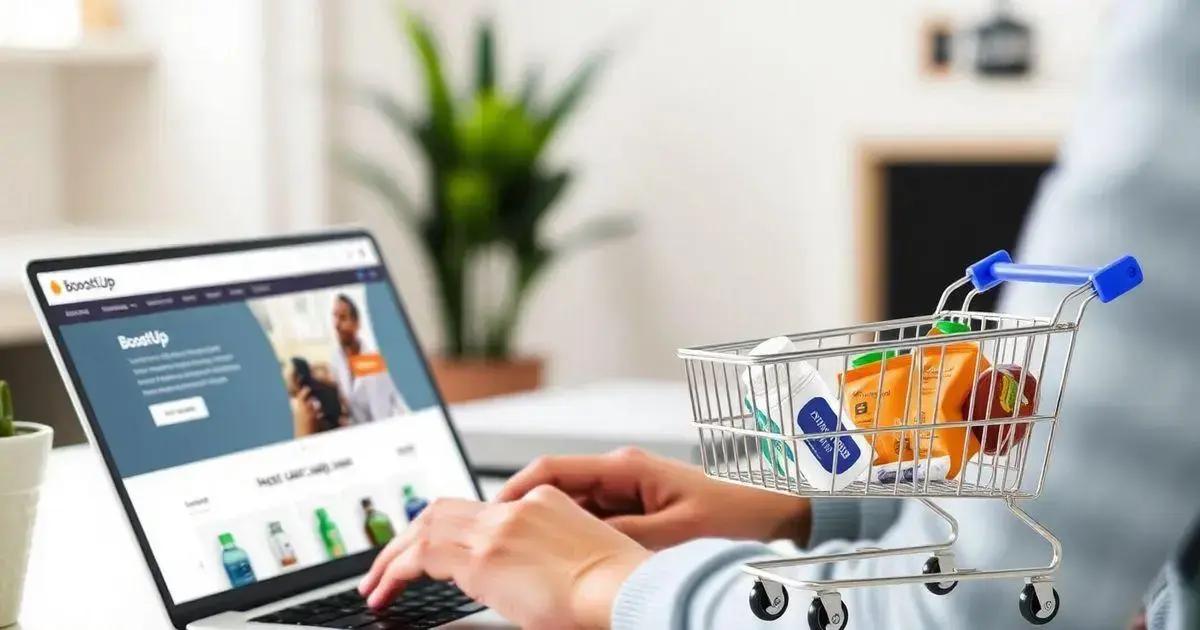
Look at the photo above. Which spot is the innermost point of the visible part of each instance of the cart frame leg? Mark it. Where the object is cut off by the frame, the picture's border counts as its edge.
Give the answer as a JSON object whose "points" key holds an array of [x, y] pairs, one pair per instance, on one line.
{"points": [[774, 591]]}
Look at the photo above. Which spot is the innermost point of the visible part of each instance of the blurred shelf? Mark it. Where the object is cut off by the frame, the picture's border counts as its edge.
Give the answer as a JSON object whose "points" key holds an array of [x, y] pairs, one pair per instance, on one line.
{"points": [[94, 52]]}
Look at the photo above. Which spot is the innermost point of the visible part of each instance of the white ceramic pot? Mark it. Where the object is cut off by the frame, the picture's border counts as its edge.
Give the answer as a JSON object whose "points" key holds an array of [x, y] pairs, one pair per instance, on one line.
{"points": [[22, 467]]}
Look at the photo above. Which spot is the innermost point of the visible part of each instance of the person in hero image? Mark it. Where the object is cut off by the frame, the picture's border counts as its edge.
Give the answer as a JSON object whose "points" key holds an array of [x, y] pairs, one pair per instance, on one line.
{"points": [[360, 371]]}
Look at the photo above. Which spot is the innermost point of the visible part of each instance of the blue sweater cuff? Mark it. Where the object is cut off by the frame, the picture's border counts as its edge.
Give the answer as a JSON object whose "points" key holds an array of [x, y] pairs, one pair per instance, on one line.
{"points": [[657, 594], [851, 519], [835, 519]]}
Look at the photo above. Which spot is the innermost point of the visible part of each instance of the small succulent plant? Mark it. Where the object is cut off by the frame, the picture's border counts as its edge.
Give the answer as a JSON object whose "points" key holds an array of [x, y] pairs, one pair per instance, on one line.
{"points": [[6, 411]]}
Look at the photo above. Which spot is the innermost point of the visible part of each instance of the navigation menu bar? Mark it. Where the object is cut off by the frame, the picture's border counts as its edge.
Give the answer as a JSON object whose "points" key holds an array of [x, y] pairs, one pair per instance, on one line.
{"points": [[203, 296]]}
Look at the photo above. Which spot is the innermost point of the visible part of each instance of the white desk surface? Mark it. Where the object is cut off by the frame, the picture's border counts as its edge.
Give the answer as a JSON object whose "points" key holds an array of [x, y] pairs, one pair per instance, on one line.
{"points": [[507, 432], [85, 569]]}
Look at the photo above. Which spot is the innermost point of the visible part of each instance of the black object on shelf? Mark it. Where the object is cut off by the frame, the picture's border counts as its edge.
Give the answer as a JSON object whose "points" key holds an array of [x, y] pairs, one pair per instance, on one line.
{"points": [[938, 47], [1004, 44]]}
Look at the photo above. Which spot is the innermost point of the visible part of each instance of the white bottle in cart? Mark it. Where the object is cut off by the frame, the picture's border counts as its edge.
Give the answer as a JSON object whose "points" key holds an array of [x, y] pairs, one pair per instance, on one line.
{"points": [[797, 388]]}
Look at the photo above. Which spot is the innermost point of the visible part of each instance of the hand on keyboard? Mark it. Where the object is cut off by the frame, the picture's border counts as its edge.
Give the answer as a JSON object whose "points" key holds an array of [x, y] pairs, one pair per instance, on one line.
{"points": [[541, 560]]}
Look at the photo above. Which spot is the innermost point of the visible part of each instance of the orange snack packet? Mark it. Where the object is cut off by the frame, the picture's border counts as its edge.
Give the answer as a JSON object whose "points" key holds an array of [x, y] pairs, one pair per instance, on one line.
{"points": [[941, 448], [957, 361]]}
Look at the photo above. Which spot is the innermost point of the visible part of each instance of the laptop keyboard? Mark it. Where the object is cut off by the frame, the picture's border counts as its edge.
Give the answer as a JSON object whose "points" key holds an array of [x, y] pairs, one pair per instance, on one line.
{"points": [[424, 604]]}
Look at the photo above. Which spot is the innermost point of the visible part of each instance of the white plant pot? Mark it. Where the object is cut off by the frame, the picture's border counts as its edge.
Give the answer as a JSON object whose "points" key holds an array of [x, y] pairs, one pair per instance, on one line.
{"points": [[22, 467]]}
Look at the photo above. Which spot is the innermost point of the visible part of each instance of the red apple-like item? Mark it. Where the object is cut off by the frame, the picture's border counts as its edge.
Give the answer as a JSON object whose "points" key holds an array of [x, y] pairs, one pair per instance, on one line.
{"points": [[1001, 399]]}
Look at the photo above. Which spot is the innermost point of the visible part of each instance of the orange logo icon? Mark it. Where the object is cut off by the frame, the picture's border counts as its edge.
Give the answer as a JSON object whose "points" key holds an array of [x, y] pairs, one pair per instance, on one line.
{"points": [[55, 287]]}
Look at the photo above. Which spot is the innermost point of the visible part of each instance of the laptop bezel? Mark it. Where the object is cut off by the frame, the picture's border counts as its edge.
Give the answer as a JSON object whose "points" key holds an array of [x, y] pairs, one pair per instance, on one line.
{"points": [[267, 591]]}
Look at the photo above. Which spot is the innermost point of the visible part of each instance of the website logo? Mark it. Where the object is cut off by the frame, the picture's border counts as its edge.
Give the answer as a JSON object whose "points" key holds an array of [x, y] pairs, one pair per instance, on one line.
{"points": [[91, 284], [148, 338]]}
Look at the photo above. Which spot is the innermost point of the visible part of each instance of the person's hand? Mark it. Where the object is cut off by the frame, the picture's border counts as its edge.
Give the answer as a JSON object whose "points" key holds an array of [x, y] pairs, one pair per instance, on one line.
{"points": [[541, 561], [661, 502], [305, 412]]}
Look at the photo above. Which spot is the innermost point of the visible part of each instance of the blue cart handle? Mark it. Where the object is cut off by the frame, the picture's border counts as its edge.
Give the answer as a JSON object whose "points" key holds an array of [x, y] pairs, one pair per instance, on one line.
{"points": [[1110, 281]]}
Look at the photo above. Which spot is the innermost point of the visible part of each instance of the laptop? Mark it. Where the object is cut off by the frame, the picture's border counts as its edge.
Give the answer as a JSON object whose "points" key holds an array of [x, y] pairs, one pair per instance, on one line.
{"points": [[268, 421]]}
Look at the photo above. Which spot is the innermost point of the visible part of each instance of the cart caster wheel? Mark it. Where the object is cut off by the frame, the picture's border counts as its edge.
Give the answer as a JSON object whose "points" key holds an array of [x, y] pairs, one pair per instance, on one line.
{"points": [[819, 618], [931, 567], [763, 607], [1037, 612]]}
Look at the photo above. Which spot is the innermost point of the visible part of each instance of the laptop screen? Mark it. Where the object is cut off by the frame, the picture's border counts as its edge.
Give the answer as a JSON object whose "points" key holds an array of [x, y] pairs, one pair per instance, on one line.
{"points": [[268, 410]]}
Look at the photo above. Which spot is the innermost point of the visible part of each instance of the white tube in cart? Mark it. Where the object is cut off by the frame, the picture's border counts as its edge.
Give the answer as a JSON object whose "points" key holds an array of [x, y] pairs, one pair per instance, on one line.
{"points": [[776, 391]]}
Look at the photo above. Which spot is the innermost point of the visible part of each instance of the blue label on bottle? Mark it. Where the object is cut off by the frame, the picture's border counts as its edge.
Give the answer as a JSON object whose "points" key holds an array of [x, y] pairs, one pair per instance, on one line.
{"points": [[816, 416], [238, 568]]}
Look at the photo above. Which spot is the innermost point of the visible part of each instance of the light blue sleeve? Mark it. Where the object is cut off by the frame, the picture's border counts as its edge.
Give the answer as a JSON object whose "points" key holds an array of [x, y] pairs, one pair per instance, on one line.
{"points": [[852, 519], [699, 585]]}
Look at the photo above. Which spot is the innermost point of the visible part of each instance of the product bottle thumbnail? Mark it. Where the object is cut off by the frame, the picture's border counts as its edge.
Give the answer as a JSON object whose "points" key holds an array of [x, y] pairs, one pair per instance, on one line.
{"points": [[413, 504], [237, 563], [378, 525], [281, 545], [331, 537]]}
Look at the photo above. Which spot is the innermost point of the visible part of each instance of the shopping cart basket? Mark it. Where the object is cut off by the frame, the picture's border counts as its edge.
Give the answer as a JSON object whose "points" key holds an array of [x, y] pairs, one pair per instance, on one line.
{"points": [[736, 395]]}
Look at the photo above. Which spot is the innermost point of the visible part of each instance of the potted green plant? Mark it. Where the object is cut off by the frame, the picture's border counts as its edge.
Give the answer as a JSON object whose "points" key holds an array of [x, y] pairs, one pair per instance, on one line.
{"points": [[24, 447], [489, 190]]}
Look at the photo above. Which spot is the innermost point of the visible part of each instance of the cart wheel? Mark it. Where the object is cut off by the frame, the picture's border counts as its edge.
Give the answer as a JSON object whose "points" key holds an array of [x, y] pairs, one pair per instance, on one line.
{"points": [[932, 566], [818, 617], [761, 604], [1037, 612]]}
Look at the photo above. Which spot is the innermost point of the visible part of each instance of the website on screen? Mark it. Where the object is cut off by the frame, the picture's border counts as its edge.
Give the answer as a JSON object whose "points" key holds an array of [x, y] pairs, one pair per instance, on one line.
{"points": [[268, 411]]}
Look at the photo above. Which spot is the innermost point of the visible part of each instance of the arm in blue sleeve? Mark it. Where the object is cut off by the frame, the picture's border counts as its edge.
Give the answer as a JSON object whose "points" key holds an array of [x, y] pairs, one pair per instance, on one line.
{"points": [[851, 519], [698, 585], [660, 593]]}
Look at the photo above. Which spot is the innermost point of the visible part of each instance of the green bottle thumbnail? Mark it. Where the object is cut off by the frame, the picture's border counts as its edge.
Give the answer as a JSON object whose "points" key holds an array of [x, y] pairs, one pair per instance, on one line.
{"points": [[330, 536], [237, 563], [413, 504], [378, 525]]}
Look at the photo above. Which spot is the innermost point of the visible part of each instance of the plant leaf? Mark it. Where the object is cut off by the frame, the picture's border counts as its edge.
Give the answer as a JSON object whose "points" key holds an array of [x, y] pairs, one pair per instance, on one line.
{"points": [[485, 58], [569, 97], [371, 175], [529, 87], [6, 411], [521, 220], [439, 133], [596, 231], [391, 109]]}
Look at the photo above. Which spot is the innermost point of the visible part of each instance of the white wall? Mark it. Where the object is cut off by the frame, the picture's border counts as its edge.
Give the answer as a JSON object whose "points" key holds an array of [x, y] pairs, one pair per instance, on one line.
{"points": [[210, 125], [729, 129], [219, 133], [202, 164], [30, 182]]}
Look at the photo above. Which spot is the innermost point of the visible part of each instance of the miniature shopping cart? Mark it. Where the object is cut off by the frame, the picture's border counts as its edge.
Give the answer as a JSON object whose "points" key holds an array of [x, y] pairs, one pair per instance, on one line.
{"points": [[737, 447]]}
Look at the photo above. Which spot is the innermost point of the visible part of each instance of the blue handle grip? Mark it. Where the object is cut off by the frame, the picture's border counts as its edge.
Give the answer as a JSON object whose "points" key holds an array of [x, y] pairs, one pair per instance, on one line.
{"points": [[1110, 281]]}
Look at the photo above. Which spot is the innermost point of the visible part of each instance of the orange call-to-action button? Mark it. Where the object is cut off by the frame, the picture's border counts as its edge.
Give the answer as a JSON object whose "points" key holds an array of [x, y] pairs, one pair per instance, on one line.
{"points": [[367, 364]]}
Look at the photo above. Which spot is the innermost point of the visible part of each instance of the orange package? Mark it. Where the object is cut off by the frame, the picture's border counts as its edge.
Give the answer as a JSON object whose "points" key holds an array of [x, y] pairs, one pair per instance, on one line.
{"points": [[938, 453]]}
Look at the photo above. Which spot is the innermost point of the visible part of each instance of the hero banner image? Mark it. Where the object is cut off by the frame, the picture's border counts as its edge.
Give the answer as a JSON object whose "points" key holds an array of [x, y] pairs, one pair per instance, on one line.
{"points": [[259, 427], [242, 367]]}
